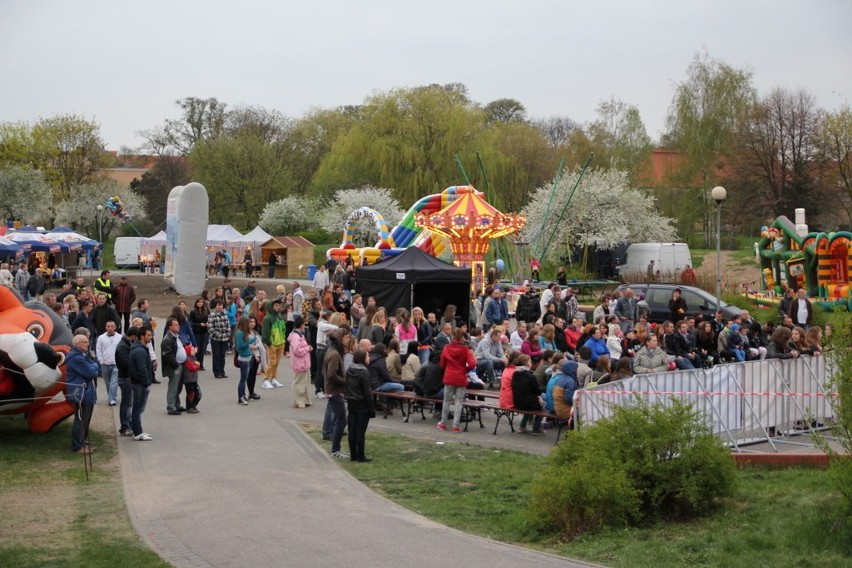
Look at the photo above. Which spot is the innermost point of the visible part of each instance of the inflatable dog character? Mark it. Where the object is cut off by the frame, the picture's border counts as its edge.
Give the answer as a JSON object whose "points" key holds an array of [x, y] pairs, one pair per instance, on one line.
{"points": [[33, 343]]}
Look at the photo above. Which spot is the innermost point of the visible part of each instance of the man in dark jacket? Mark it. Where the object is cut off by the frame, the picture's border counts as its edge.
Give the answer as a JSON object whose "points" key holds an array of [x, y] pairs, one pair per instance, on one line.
{"points": [[81, 371], [122, 363], [124, 297], [361, 405], [173, 355], [103, 313], [141, 373]]}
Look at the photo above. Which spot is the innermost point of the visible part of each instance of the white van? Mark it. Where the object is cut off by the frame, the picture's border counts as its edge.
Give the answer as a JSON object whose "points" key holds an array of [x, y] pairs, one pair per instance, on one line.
{"points": [[126, 252], [669, 258]]}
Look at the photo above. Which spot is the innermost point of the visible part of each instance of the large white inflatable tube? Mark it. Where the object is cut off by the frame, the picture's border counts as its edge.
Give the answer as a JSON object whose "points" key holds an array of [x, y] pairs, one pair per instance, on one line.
{"points": [[187, 216]]}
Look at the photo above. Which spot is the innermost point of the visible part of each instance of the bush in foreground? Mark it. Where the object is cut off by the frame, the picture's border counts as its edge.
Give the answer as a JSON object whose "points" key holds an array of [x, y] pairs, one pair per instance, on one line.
{"points": [[646, 462]]}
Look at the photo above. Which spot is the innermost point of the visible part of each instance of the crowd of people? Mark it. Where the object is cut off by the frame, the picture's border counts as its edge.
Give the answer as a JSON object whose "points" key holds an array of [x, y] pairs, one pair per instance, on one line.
{"points": [[342, 348]]}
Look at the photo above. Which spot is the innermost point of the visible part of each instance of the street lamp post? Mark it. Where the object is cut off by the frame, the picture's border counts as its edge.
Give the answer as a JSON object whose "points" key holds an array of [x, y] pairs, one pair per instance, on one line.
{"points": [[718, 194], [100, 210], [99, 217]]}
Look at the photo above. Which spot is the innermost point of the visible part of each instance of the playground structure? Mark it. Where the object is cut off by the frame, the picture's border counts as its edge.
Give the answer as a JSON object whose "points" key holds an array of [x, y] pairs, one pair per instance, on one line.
{"points": [[459, 214], [792, 257]]}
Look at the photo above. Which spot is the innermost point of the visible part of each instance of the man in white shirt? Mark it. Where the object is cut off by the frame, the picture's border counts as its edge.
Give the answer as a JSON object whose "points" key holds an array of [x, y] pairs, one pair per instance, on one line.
{"points": [[321, 279], [298, 299], [801, 311], [105, 351]]}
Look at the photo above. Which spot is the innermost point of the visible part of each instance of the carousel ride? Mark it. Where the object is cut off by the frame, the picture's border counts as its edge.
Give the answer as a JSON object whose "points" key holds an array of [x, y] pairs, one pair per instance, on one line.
{"points": [[459, 215]]}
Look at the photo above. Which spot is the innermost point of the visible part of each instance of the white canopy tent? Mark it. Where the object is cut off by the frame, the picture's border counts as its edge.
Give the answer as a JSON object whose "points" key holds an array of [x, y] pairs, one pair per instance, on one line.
{"points": [[221, 237], [149, 246], [251, 241]]}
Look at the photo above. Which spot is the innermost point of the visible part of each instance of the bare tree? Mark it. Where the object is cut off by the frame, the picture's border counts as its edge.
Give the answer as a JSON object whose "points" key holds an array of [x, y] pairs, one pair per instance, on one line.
{"points": [[777, 143], [556, 129]]}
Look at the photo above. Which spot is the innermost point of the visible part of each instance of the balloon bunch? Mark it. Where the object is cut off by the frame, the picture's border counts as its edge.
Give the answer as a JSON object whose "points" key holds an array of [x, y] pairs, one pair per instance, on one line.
{"points": [[116, 208]]}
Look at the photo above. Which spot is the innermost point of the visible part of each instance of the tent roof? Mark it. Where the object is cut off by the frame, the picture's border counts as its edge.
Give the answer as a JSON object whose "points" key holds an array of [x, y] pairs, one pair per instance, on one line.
{"points": [[287, 243], [255, 236], [415, 266], [158, 238], [222, 234]]}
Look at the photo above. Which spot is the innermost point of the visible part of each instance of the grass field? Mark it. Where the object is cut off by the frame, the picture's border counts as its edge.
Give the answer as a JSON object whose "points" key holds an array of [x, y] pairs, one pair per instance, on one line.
{"points": [[779, 518], [51, 516]]}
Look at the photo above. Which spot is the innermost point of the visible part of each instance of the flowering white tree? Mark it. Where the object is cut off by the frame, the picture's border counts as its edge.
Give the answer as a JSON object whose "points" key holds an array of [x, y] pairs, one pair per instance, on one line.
{"points": [[604, 212], [289, 215], [81, 211], [24, 194], [348, 200]]}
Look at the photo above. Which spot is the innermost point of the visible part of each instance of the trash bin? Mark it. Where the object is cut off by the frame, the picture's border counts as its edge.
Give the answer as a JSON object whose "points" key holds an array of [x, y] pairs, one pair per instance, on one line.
{"points": [[312, 270]]}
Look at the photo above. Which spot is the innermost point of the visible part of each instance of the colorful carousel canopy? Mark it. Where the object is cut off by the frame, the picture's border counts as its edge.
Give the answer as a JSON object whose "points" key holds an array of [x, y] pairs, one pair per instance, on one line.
{"points": [[470, 223]]}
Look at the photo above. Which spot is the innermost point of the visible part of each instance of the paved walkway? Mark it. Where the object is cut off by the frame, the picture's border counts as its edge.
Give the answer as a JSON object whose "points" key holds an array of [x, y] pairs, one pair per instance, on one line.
{"points": [[244, 486]]}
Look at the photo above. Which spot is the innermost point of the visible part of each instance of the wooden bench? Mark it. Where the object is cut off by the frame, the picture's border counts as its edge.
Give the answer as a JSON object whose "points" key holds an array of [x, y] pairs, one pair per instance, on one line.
{"points": [[510, 413], [413, 403], [410, 399]]}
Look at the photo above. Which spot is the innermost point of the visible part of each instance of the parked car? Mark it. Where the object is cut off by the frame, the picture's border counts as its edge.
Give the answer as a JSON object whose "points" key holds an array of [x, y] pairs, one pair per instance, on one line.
{"points": [[697, 300]]}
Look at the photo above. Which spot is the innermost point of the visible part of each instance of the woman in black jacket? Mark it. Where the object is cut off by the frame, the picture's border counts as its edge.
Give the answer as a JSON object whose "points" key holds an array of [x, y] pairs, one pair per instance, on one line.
{"points": [[527, 396], [360, 403], [198, 319]]}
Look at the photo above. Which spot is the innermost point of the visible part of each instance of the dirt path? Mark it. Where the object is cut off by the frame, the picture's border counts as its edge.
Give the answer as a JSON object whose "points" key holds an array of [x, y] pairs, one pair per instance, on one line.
{"points": [[735, 271]]}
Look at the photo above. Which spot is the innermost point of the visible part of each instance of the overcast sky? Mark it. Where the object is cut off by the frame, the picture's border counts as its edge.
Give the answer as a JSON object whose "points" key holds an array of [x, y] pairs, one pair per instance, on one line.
{"points": [[125, 63]]}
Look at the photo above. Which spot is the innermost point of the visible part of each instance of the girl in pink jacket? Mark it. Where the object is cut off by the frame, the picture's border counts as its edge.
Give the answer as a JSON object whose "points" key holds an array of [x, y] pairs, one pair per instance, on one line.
{"points": [[300, 361]]}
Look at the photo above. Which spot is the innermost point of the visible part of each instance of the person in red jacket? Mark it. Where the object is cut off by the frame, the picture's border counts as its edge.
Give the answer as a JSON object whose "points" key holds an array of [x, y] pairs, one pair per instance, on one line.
{"points": [[124, 297], [456, 360]]}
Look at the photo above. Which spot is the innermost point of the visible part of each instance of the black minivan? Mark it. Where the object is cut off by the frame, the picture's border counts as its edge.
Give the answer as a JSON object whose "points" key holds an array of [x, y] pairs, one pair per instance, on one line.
{"points": [[697, 300]]}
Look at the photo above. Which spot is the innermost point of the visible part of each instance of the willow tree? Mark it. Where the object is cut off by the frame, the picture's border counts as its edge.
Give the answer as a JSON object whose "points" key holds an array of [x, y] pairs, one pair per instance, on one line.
{"points": [[405, 139]]}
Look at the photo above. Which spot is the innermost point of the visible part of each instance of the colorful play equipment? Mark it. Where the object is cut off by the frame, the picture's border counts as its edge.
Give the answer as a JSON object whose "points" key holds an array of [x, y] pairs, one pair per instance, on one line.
{"points": [[470, 222], [405, 234], [792, 257]]}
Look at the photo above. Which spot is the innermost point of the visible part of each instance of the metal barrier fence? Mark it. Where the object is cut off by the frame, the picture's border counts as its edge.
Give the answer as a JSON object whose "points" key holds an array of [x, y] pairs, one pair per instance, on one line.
{"points": [[744, 403]]}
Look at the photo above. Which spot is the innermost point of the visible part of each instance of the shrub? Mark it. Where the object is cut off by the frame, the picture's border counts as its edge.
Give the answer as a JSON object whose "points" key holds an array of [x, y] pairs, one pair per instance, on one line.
{"points": [[840, 466], [590, 493], [645, 462]]}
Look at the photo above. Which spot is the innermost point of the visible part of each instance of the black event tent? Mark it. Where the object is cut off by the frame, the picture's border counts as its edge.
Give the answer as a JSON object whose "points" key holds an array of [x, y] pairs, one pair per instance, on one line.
{"points": [[414, 278]]}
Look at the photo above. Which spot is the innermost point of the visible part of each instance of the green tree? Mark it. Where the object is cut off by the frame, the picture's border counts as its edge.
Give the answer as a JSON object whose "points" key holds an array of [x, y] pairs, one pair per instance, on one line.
{"points": [[619, 137], [70, 151], [505, 111], [311, 138], [155, 185], [16, 145], [517, 158], [701, 122], [242, 173], [405, 139], [24, 194]]}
